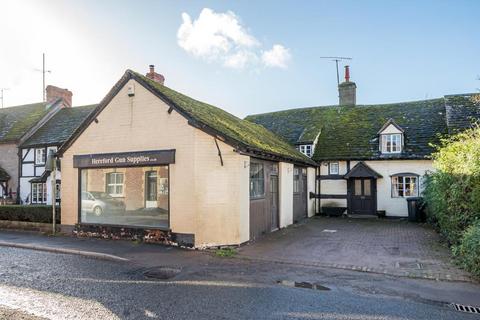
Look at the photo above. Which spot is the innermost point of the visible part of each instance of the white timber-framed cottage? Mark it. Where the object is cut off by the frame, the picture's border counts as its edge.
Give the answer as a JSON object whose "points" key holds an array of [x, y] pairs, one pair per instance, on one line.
{"points": [[371, 158]]}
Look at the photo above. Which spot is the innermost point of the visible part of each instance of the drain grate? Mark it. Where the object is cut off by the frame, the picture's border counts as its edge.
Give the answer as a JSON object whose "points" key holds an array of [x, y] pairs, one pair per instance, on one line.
{"points": [[463, 308], [304, 285], [161, 273]]}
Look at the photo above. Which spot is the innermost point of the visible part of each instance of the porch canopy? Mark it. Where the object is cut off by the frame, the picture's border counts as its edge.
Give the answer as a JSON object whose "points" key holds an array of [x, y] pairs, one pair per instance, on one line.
{"points": [[362, 170], [42, 178]]}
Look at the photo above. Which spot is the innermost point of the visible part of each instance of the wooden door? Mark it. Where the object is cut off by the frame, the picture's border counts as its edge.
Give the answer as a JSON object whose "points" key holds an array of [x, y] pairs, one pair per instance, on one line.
{"points": [[274, 223], [299, 193], [363, 196]]}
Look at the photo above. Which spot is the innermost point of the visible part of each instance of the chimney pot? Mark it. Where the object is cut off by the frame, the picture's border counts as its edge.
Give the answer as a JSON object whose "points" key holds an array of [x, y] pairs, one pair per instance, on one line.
{"points": [[347, 73]]}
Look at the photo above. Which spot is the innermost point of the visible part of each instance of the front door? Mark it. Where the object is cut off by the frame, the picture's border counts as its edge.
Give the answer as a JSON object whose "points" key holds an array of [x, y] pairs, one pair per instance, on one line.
{"points": [[362, 196], [151, 189]]}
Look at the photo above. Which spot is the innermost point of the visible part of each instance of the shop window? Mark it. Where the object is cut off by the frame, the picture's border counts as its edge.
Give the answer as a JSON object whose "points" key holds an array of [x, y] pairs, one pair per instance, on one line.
{"points": [[144, 201], [115, 184], [404, 186], [257, 180], [39, 193]]}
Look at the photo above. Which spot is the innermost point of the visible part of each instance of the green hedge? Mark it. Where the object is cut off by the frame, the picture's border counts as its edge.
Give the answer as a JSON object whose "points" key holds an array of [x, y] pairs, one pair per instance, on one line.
{"points": [[28, 213], [468, 251], [452, 194]]}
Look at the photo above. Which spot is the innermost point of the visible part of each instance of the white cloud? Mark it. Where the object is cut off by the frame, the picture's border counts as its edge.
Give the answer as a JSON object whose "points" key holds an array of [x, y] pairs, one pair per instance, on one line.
{"points": [[221, 37], [278, 56], [240, 59]]}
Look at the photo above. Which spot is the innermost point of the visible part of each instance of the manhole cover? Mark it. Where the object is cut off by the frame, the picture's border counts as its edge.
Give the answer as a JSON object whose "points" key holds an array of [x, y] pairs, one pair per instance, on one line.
{"points": [[464, 308], [304, 285], [161, 273]]}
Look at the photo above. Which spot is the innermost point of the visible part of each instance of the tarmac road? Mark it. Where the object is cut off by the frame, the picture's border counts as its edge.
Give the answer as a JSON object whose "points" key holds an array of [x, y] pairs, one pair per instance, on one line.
{"points": [[60, 286]]}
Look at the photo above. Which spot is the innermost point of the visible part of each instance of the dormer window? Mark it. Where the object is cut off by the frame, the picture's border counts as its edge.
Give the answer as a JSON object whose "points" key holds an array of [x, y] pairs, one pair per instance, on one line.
{"points": [[306, 149], [391, 143], [391, 138]]}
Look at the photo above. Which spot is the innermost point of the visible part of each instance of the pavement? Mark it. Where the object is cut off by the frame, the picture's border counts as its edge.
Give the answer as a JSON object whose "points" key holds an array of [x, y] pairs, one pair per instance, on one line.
{"points": [[385, 246]]}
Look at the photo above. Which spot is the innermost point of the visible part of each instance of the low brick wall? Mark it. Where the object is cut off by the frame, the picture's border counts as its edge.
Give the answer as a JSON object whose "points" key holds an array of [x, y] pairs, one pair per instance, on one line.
{"points": [[27, 226], [126, 233]]}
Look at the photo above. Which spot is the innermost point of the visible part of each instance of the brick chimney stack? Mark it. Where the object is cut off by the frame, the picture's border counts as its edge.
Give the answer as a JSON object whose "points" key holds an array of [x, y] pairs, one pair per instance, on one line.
{"points": [[157, 77], [53, 93], [347, 91]]}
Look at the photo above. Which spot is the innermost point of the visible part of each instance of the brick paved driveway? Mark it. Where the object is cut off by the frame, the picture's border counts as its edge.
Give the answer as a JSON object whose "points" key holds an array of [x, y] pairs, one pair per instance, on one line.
{"points": [[394, 247]]}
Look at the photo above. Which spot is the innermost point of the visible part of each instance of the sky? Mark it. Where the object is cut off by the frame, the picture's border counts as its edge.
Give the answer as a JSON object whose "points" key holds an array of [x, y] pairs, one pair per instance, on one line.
{"points": [[243, 56]]}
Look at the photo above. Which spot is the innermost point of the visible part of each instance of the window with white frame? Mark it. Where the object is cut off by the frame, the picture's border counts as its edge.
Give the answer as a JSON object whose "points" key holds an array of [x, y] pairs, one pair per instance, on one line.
{"points": [[114, 184], [306, 149], [333, 168], [39, 192], [392, 143], [40, 156], [404, 186]]}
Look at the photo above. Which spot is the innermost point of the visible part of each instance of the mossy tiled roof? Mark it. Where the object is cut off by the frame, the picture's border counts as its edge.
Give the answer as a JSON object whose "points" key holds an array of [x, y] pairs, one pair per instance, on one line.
{"points": [[463, 110], [351, 132], [244, 134], [60, 127], [16, 121]]}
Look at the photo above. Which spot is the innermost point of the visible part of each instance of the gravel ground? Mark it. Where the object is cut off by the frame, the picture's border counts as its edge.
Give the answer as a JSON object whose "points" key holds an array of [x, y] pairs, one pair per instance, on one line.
{"points": [[13, 314]]}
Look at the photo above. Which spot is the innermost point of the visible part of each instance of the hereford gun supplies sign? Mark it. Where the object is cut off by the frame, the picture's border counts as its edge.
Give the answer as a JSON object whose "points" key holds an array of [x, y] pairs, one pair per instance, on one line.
{"points": [[125, 159]]}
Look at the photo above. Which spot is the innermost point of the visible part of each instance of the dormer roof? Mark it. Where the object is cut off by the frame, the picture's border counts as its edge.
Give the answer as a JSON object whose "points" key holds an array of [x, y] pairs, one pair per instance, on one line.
{"points": [[388, 123]]}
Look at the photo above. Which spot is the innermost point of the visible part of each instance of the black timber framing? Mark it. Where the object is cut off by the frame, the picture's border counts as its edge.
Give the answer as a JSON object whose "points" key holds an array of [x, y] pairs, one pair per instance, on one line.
{"points": [[330, 177], [330, 196]]}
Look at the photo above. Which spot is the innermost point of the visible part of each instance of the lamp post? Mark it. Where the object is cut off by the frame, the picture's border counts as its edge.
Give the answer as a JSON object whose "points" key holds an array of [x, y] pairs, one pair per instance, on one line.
{"points": [[51, 166]]}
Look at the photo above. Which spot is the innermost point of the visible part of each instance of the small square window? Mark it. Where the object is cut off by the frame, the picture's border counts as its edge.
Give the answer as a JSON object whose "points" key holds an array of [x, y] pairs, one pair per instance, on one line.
{"points": [[306, 149], [333, 168], [404, 186], [257, 180], [40, 156], [392, 143]]}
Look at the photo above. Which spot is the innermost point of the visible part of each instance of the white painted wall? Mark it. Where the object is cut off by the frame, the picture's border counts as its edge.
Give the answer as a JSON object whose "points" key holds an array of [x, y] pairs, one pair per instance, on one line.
{"points": [[286, 193], [25, 190], [395, 207], [333, 186], [27, 170], [28, 154], [391, 129]]}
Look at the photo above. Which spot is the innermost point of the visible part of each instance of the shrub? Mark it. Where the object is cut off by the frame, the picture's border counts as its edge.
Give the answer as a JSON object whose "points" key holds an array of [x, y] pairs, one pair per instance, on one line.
{"points": [[452, 192], [468, 251], [28, 213]]}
